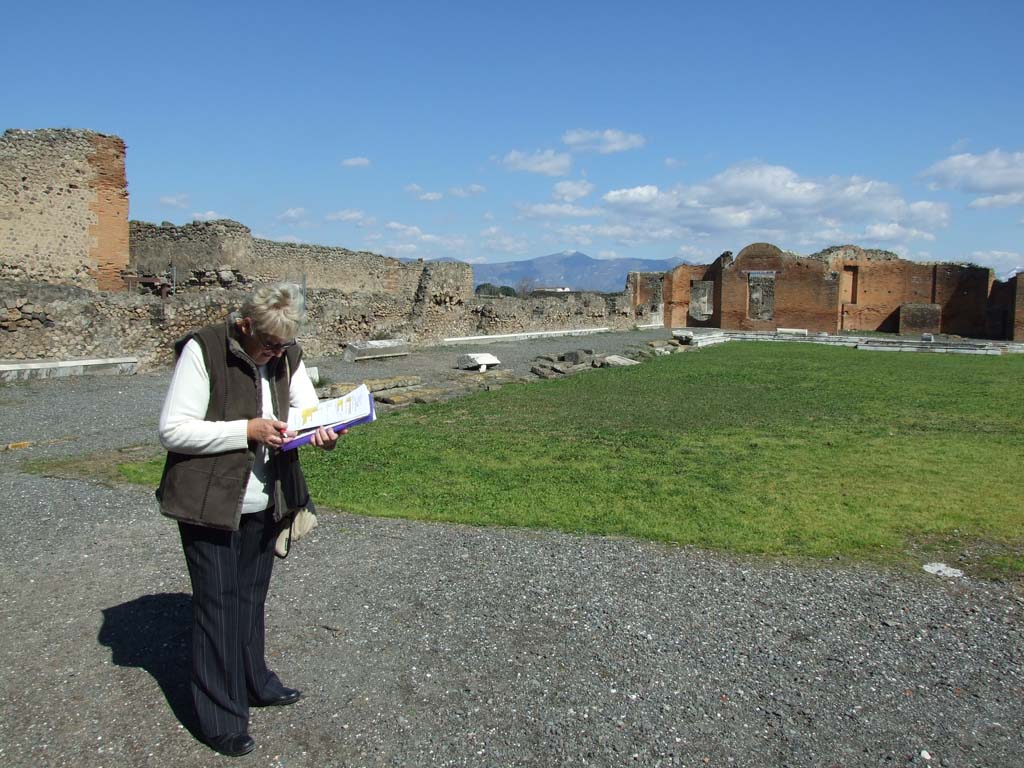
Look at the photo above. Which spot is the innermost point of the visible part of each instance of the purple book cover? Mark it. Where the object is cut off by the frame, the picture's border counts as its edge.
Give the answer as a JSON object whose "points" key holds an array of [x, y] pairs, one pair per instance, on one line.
{"points": [[304, 438]]}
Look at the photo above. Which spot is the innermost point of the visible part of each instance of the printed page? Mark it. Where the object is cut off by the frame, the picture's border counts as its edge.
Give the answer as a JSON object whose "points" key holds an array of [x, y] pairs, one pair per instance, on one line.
{"points": [[355, 405]]}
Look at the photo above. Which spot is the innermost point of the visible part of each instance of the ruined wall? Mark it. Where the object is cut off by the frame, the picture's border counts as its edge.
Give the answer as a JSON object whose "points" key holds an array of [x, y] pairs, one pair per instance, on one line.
{"points": [[679, 289], [765, 288], [197, 246], [963, 293], [839, 288], [63, 208], [553, 312], [1017, 306], [646, 291], [920, 318]]}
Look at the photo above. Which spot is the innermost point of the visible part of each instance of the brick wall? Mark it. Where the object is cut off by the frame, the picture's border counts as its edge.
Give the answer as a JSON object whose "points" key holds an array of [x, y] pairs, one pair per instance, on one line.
{"points": [[839, 288], [806, 291], [63, 208], [920, 318]]}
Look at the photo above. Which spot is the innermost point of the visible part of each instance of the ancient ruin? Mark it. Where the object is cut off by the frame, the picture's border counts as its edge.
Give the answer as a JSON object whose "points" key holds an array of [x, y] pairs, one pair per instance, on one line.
{"points": [[79, 280], [843, 288]]}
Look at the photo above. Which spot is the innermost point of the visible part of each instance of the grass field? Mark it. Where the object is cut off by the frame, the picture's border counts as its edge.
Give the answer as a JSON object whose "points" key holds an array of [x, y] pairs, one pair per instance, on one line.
{"points": [[776, 449]]}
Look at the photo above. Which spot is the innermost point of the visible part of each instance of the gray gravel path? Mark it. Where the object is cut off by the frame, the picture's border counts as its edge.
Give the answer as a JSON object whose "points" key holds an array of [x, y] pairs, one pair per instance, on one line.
{"points": [[441, 645]]}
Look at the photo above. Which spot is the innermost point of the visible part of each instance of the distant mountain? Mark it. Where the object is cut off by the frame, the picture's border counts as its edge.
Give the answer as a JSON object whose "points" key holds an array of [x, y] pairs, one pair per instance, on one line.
{"points": [[571, 269]]}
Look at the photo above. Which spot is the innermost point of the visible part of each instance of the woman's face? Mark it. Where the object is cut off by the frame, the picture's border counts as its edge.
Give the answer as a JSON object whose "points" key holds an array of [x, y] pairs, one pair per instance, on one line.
{"points": [[262, 348]]}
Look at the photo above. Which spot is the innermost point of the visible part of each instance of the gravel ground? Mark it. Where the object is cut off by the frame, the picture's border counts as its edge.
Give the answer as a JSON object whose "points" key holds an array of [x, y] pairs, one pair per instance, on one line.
{"points": [[440, 645]]}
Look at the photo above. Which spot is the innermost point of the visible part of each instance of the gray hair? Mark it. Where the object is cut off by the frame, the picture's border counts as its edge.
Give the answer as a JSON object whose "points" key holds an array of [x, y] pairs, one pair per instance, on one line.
{"points": [[276, 310]]}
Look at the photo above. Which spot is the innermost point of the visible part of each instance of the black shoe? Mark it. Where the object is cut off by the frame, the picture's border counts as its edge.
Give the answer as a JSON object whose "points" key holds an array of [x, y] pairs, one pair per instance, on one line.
{"points": [[284, 698], [232, 745]]}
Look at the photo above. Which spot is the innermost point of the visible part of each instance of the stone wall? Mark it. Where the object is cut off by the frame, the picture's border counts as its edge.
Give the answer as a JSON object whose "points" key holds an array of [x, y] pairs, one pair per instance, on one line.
{"points": [[646, 291], [216, 245], [63, 322], [553, 312], [63, 208]]}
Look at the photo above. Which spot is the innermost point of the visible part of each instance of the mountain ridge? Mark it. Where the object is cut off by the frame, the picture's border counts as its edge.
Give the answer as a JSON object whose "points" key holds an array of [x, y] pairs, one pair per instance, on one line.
{"points": [[572, 269]]}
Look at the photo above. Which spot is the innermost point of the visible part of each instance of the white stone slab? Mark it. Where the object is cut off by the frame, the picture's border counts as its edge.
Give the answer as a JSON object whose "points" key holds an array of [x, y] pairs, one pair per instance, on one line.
{"points": [[370, 350], [480, 361], [48, 369]]}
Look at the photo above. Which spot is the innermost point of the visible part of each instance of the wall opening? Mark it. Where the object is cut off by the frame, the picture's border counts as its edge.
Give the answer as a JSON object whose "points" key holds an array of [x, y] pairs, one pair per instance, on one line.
{"points": [[702, 299], [848, 285], [761, 295]]}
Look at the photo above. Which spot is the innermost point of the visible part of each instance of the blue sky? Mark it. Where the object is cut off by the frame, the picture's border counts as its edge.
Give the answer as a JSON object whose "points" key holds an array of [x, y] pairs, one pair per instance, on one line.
{"points": [[499, 131]]}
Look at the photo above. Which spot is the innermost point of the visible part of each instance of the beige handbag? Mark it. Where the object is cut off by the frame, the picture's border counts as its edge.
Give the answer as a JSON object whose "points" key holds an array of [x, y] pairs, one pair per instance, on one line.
{"points": [[302, 522]]}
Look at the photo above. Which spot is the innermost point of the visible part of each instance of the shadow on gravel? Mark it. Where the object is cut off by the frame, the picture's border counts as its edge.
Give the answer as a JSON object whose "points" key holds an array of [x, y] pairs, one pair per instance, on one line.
{"points": [[153, 633]]}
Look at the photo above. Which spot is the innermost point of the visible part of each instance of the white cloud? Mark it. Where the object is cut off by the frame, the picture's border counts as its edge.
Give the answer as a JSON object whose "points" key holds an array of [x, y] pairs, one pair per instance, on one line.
{"points": [[672, 162], [207, 216], [570, 191], [1005, 263], [557, 210], [645, 195], [355, 162], [293, 215], [772, 202], [548, 162], [175, 201], [604, 142], [431, 196], [404, 230], [607, 255], [494, 239], [413, 188], [442, 244], [891, 232], [351, 216], [468, 191], [994, 172], [998, 201]]}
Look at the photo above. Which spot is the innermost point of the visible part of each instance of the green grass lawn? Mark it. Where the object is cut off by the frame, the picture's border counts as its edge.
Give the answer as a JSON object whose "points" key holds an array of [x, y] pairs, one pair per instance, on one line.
{"points": [[777, 449]]}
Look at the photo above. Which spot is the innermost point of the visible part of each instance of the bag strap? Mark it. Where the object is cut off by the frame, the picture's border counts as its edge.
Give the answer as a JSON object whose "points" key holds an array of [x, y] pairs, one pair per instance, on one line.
{"points": [[288, 549]]}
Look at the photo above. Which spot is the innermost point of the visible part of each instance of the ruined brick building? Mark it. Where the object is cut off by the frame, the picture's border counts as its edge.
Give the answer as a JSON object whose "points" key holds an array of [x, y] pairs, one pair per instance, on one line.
{"points": [[843, 288]]}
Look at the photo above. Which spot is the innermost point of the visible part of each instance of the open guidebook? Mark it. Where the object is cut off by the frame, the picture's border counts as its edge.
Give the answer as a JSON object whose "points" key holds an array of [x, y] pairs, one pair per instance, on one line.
{"points": [[340, 413]]}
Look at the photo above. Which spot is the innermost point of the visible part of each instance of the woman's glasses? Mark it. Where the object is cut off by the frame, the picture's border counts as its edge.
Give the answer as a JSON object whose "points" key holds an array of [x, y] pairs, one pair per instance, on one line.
{"points": [[272, 347]]}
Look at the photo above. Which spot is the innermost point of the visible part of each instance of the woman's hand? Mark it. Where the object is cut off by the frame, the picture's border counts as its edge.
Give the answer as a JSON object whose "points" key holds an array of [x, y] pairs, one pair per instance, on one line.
{"points": [[269, 432], [326, 438]]}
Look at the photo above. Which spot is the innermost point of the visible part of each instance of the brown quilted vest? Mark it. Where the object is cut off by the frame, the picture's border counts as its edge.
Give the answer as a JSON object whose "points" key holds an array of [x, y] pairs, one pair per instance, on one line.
{"points": [[208, 489]]}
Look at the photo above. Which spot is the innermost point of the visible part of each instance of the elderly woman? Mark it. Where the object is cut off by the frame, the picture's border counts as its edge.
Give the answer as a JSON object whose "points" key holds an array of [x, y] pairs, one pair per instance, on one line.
{"points": [[229, 487]]}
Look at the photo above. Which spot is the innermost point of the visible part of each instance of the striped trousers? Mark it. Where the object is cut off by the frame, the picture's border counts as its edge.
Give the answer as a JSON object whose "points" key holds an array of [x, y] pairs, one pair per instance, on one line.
{"points": [[230, 573]]}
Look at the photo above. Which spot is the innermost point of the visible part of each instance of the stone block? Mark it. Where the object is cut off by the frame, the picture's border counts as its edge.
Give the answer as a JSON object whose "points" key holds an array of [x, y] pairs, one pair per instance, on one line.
{"points": [[578, 357], [372, 350], [617, 361], [479, 361]]}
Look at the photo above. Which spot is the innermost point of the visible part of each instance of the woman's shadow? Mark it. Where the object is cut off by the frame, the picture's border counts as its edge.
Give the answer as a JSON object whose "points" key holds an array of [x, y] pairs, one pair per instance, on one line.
{"points": [[153, 632]]}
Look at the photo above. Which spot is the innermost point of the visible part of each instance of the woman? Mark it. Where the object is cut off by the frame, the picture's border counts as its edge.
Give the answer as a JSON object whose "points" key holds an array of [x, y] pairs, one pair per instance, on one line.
{"points": [[228, 485]]}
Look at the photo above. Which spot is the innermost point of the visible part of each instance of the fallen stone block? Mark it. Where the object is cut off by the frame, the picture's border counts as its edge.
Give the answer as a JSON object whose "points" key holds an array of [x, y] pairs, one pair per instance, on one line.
{"points": [[392, 382], [479, 361], [372, 350], [617, 361], [578, 356], [544, 371], [792, 331]]}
